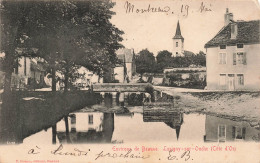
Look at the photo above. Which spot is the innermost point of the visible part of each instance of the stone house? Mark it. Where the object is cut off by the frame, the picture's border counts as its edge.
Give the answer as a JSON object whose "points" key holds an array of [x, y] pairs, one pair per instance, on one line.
{"points": [[127, 67], [28, 71], [233, 58]]}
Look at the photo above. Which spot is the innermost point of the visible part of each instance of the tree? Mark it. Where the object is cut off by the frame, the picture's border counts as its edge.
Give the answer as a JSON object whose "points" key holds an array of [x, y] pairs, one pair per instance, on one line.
{"points": [[47, 29], [145, 62], [65, 33], [95, 39], [163, 60], [75, 33], [163, 56], [189, 59], [101, 38], [200, 59], [14, 17]]}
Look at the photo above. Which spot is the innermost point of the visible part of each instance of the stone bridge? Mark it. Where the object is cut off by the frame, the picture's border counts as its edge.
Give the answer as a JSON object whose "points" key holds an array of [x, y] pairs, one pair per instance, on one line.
{"points": [[123, 87]]}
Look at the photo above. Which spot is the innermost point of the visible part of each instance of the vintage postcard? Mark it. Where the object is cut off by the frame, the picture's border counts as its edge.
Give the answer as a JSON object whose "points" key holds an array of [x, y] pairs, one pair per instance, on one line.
{"points": [[153, 81]]}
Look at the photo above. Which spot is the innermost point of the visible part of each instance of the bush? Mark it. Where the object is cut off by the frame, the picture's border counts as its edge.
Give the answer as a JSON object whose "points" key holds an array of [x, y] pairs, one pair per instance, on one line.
{"points": [[149, 89], [135, 99]]}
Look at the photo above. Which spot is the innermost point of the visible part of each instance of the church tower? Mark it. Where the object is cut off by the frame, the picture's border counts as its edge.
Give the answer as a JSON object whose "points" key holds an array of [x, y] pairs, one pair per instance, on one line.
{"points": [[178, 43]]}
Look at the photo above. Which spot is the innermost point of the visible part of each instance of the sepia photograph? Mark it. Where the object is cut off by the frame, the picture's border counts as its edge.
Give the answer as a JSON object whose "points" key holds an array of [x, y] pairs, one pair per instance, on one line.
{"points": [[129, 81]]}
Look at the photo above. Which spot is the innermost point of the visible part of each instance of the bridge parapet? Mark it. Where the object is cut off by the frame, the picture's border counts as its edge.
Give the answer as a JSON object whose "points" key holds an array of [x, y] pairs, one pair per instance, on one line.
{"points": [[120, 87]]}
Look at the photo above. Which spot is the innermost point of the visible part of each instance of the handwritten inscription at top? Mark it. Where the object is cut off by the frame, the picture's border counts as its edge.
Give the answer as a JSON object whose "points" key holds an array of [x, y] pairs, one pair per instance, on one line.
{"points": [[184, 9]]}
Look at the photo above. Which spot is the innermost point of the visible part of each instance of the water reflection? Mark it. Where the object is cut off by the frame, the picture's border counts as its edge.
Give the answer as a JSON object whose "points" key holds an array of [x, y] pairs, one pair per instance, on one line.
{"points": [[97, 127], [172, 119], [222, 130], [153, 125], [87, 128]]}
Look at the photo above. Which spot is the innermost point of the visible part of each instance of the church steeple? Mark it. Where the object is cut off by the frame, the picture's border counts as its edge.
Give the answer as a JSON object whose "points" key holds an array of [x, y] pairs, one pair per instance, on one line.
{"points": [[178, 32], [178, 129], [178, 42]]}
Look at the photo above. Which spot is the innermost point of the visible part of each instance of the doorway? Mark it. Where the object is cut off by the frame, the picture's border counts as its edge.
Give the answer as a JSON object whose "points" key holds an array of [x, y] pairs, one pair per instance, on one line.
{"points": [[231, 82]]}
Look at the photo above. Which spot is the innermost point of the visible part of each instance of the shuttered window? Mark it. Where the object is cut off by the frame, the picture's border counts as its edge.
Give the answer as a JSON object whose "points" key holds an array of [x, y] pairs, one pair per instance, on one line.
{"points": [[90, 119], [222, 58], [239, 58], [238, 132], [240, 79], [244, 59], [221, 133], [234, 58]]}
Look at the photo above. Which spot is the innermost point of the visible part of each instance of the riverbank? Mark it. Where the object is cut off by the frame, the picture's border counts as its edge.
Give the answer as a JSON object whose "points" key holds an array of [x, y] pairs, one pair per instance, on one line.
{"points": [[238, 105]]}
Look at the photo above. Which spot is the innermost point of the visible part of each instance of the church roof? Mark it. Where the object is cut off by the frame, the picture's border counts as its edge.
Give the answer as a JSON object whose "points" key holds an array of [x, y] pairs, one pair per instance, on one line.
{"points": [[178, 32], [248, 32]]}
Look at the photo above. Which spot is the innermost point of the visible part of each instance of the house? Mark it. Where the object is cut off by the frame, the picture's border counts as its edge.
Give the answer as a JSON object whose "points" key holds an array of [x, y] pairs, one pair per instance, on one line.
{"points": [[38, 72], [223, 130], [87, 128], [233, 58], [21, 73], [119, 72], [84, 78], [127, 68], [28, 72], [178, 42]]}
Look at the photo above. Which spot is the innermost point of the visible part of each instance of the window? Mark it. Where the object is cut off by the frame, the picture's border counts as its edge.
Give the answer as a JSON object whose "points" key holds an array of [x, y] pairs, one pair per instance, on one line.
{"points": [[222, 46], [222, 79], [90, 119], [240, 46], [238, 132], [222, 58], [240, 79], [222, 133], [177, 53], [240, 57], [177, 44], [25, 66]]}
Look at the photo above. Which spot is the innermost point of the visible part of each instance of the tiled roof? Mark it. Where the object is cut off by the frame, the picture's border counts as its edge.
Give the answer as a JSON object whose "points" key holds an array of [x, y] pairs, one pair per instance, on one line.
{"points": [[125, 55], [248, 32]]}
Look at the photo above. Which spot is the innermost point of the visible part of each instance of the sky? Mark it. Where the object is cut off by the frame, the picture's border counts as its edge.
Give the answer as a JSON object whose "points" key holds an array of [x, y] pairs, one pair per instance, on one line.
{"points": [[155, 30]]}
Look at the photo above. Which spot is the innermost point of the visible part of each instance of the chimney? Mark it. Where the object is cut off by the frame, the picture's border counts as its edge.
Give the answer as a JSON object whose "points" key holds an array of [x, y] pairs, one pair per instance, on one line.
{"points": [[233, 30], [228, 17]]}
